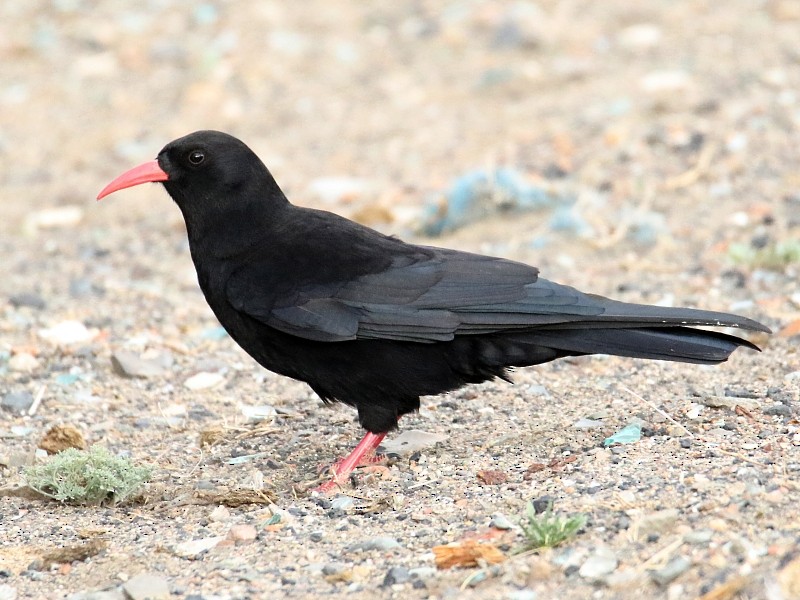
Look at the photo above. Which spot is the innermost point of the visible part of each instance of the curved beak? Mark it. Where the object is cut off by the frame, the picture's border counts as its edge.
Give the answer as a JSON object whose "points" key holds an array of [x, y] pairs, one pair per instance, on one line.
{"points": [[147, 172]]}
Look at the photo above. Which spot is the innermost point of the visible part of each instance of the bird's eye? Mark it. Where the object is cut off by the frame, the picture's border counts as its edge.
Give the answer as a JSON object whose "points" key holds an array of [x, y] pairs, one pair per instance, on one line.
{"points": [[196, 157]]}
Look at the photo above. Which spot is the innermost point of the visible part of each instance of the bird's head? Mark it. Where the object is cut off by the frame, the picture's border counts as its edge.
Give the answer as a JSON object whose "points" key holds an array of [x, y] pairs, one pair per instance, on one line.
{"points": [[206, 173]]}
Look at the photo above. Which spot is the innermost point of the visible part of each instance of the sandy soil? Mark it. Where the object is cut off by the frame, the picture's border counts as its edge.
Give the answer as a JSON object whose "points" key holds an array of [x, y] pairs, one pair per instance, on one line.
{"points": [[675, 125]]}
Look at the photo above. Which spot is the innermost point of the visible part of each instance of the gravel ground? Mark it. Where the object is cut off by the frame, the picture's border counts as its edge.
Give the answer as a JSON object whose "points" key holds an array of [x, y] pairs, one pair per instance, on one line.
{"points": [[664, 139]]}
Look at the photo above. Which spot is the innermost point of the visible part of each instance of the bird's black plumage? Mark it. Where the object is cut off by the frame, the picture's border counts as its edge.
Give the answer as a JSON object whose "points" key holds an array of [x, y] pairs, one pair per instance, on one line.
{"points": [[374, 322]]}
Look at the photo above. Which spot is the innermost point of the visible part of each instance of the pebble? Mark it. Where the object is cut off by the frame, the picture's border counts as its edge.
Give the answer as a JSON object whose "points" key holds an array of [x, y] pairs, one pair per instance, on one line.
{"points": [[381, 543], [601, 563], [256, 414], [411, 441], [780, 410], [342, 503], [53, 218], [698, 537], [540, 505], [23, 363], [659, 82], [587, 424], [29, 299], [130, 364], [422, 572], [333, 190], [193, 548], [521, 595], [627, 579], [220, 514], [396, 575], [242, 533], [500, 521], [671, 571], [146, 586], [640, 36], [18, 402], [655, 523], [7, 592], [333, 568], [115, 594], [68, 333], [204, 380]]}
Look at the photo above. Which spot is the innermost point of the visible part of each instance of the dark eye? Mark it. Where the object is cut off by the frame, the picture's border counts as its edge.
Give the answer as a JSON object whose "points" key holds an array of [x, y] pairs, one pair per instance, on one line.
{"points": [[196, 157]]}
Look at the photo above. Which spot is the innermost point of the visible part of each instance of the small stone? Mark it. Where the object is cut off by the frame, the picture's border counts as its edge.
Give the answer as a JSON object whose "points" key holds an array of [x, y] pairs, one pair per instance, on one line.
{"points": [[53, 218], [422, 572], [115, 594], [600, 564], [316, 536], [779, 410], [396, 575], [698, 537], [492, 477], [686, 443], [242, 533], [541, 505], [381, 543], [660, 82], [146, 586], [411, 441], [671, 571], [220, 514], [655, 523], [23, 363], [332, 190], [68, 333], [29, 299], [204, 380], [587, 424], [500, 521], [7, 592], [729, 402], [342, 503], [333, 568], [640, 36], [521, 595], [256, 414], [193, 548], [18, 402], [627, 579], [130, 364]]}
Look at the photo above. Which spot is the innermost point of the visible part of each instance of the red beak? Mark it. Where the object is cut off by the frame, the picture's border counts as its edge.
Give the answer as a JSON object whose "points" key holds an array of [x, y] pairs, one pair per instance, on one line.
{"points": [[149, 171]]}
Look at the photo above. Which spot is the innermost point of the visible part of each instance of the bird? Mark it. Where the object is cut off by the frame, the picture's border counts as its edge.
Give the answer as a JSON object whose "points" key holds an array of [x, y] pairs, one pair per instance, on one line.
{"points": [[374, 322]]}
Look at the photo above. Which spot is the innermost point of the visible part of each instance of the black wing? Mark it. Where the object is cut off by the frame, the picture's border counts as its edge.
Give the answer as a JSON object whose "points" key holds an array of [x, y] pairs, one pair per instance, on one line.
{"points": [[435, 294]]}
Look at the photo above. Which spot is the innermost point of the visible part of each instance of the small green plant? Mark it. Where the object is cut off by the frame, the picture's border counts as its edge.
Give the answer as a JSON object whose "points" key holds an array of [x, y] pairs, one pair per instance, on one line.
{"points": [[773, 256], [88, 477], [548, 529]]}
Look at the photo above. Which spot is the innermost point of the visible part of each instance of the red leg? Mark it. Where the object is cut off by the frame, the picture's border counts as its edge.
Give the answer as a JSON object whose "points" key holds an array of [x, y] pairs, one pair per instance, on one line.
{"points": [[342, 469]]}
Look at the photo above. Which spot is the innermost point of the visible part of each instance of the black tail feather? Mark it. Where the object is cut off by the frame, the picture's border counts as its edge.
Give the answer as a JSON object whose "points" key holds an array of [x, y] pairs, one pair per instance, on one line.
{"points": [[680, 344]]}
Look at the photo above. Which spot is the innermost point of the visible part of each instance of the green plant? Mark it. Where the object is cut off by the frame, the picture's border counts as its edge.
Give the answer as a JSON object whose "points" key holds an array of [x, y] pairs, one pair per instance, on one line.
{"points": [[548, 529], [89, 477], [773, 256]]}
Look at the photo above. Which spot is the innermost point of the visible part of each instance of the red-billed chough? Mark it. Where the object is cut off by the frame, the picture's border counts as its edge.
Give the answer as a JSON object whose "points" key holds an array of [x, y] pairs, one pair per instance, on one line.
{"points": [[369, 320]]}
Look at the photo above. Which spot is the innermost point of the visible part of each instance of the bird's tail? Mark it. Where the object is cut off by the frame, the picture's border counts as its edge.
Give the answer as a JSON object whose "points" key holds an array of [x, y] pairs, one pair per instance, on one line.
{"points": [[681, 344]]}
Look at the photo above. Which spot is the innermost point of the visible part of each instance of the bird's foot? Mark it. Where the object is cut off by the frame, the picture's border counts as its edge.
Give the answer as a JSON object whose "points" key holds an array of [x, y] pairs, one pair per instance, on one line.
{"points": [[363, 453]]}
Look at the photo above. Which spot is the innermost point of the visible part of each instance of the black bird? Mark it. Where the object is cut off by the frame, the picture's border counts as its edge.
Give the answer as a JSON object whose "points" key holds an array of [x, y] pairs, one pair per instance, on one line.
{"points": [[371, 321]]}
